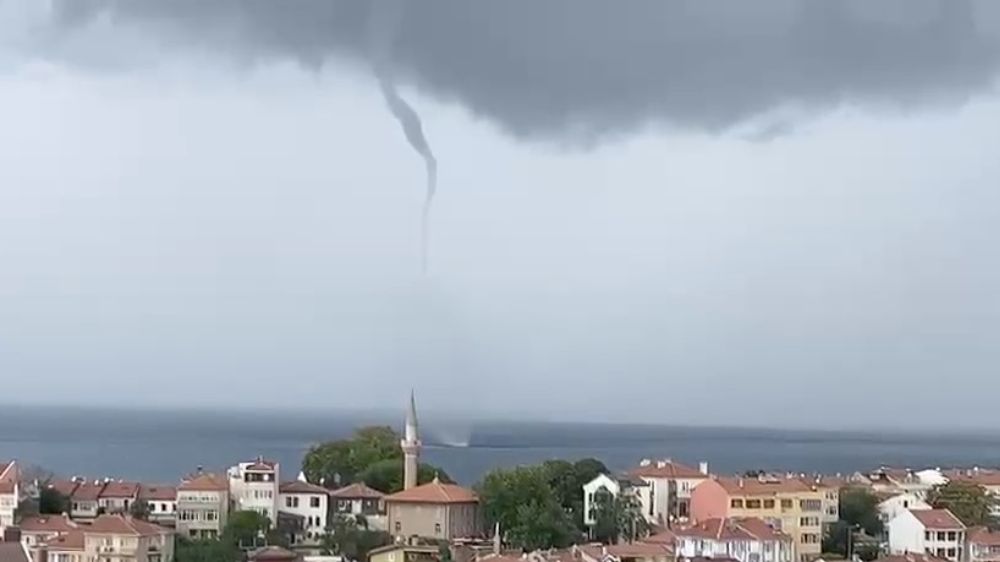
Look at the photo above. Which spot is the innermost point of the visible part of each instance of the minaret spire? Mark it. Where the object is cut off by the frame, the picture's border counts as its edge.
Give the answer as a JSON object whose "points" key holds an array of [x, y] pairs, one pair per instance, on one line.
{"points": [[411, 445]]}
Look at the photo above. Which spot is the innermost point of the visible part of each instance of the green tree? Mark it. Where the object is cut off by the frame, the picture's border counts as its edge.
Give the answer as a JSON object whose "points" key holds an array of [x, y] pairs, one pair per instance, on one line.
{"points": [[567, 479], [140, 509], [525, 505], [859, 509], [835, 542], [205, 551], [341, 461], [246, 529], [349, 539], [387, 475], [618, 518], [968, 501], [51, 502]]}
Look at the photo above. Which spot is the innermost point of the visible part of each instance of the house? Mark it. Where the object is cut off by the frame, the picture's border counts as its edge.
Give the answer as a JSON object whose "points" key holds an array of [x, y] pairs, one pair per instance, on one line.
{"points": [[254, 487], [743, 539], [434, 510], [10, 493], [68, 547], [401, 552], [308, 504], [622, 552], [85, 501], [65, 488], [359, 500], [123, 538], [273, 554], [896, 480], [672, 485], [118, 496], [37, 529], [983, 545], [202, 505], [989, 479], [894, 504], [932, 531], [638, 489], [788, 504], [161, 503]]}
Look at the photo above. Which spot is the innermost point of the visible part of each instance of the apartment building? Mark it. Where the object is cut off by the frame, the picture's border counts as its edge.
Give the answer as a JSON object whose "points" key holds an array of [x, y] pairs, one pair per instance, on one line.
{"points": [[68, 547], [308, 504], [202, 505], [641, 492], [893, 505], [36, 530], [984, 545], [122, 538], [672, 484], [161, 501], [932, 531], [85, 500], [788, 504], [10, 493], [359, 500], [118, 496], [741, 539], [254, 487], [989, 479]]}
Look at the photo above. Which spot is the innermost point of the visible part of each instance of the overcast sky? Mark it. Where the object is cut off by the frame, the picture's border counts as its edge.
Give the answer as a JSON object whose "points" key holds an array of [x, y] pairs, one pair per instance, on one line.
{"points": [[781, 213]]}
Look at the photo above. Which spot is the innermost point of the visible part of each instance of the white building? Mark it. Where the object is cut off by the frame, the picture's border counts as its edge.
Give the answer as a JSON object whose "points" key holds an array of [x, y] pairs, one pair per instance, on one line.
{"points": [[254, 487], [162, 503], [308, 504], [672, 484], [744, 539], [932, 531], [10, 493], [640, 490], [892, 506], [359, 500]]}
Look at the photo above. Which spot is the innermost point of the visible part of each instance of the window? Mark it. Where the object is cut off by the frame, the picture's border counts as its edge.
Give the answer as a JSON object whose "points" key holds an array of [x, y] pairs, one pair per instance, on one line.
{"points": [[951, 553], [437, 528], [811, 505], [786, 504], [737, 503], [753, 504], [927, 535], [768, 504], [314, 502], [940, 553], [941, 536], [952, 536], [906, 504], [399, 526]]}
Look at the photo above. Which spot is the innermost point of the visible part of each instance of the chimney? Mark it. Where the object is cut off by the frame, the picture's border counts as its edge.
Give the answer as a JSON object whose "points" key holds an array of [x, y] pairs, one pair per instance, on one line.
{"points": [[703, 468], [739, 482]]}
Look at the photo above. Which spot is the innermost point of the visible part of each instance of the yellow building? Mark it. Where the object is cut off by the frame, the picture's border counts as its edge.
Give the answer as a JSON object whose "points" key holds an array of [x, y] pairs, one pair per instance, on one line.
{"points": [[795, 507]]}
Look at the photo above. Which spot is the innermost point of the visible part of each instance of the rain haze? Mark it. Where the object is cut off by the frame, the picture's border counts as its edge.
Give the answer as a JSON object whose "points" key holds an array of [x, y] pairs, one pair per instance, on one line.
{"points": [[662, 211]]}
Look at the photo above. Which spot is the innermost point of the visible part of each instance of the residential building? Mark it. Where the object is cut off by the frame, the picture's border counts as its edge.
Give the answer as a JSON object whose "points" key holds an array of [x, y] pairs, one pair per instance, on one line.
{"points": [[254, 487], [308, 504], [788, 504], [402, 552], [67, 547], [894, 504], [932, 531], [434, 510], [989, 479], [359, 500], [85, 501], [38, 529], [122, 538], [983, 545], [622, 552], [65, 488], [202, 505], [672, 485], [274, 554], [830, 486], [118, 496], [638, 489], [743, 539], [10, 493], [161, 502], [897, 480]]}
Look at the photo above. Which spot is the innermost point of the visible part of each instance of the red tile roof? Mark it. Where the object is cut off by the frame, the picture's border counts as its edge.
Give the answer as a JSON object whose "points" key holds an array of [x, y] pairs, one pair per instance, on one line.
{"points": [[742, 528], [12, 552], [982, 477], [666, 469], [665, 536], [639, 550], [72, 541], [157, 492], [299, 487], [755, 486], [205, 482], [88, 491], [262, 464], [938, 519], [984, 536], [9, 476], [273, 553], [358, 490], [64, 487], [47, 523], [120, 490], [434, 492], [123, 525]]}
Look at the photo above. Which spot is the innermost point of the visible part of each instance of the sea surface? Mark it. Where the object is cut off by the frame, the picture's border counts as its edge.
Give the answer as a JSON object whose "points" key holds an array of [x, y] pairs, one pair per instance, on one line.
{"points": [[162, 446]]}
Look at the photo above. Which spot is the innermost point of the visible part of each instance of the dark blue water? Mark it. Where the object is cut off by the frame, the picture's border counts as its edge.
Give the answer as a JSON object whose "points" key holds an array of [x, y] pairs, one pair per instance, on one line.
{"points": [[162, 446]]}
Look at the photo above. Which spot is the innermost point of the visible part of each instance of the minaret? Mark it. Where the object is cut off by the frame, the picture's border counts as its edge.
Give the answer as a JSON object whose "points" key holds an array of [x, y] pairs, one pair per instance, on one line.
{"points": [[411, 446]]}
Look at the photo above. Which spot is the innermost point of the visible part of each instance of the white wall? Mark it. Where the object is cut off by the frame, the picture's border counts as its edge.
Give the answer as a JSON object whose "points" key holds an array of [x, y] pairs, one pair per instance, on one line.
{"points": [[301, 504], [590, 489], [895, 505], [906, 534]]}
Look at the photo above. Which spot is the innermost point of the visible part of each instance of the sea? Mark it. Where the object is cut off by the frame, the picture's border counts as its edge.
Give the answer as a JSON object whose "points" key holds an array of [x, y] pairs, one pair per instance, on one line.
{"points": [[161, 446]]}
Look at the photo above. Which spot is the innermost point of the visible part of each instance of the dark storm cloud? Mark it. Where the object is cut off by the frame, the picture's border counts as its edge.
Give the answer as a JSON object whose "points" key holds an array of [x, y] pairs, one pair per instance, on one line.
{"points": [[589, 67]]}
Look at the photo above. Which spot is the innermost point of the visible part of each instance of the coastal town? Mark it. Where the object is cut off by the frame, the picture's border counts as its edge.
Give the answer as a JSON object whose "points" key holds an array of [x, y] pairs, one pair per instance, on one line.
{"points": [[660, 510]]}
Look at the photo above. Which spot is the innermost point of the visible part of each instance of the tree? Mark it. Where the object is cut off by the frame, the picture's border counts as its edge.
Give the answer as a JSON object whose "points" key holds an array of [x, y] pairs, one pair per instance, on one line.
{"points": [[246, 529], [51, 502], [352, 541], [205, 551], [835, 542], [339, 462], [617, 517], [968, 501], [525, 505], [859, 508], [387, 475], [140, 509], [567, 481]]}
